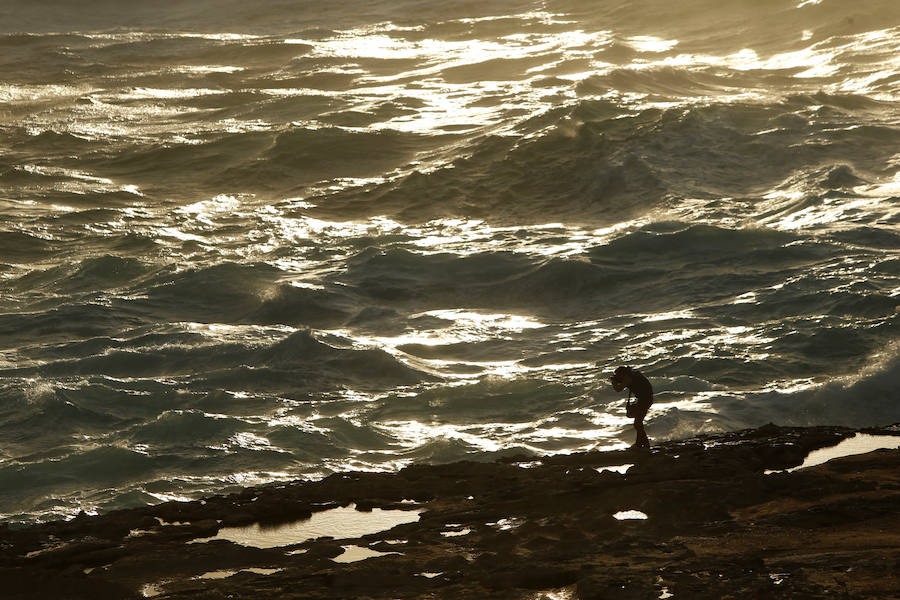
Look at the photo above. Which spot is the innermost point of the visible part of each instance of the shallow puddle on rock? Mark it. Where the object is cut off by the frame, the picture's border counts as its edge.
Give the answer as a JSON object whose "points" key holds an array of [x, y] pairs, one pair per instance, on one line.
{"points": [[456, 530], [357, 553], [224, 574], [139, 533], [567, 593], [507, 524], [858, 444], [339, 523], [628, 515], [861, 443], [151, 590], [48, 548], [615, 468]]}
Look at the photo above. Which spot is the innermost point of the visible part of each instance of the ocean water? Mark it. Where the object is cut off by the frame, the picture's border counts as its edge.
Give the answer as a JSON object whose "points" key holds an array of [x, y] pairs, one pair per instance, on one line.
{"points": [[243, 242]]}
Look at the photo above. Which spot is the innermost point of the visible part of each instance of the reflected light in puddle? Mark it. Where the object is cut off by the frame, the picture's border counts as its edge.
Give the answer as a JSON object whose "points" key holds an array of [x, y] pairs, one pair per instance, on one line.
{"points": [[627, 515], [151, 590], [615, 468], [456, 533], [224, 574], [560, 594], [507, 524], [339, 523], [861, 443], [358, 553]]}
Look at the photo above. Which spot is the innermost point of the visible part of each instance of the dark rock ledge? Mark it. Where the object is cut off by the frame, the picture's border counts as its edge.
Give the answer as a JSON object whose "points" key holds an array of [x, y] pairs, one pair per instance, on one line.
{"points": [[718, 527]]}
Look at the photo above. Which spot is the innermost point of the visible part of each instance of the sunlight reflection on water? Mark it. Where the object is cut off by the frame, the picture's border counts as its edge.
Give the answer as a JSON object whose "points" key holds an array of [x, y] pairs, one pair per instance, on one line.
{"points": [[339, 523], [861, 443]]}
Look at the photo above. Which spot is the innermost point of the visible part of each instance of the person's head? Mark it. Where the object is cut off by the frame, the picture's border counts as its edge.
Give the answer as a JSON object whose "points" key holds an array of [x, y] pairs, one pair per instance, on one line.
{"points": [[623, 374]]}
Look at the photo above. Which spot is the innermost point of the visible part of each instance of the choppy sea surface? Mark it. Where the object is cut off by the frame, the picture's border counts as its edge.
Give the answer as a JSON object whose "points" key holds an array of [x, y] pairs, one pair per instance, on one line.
{"points": [[243, 242]]}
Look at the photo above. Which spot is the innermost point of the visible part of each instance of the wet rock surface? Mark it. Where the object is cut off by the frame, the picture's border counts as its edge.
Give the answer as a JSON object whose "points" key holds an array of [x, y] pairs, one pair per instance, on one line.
{"points": [[719, 524]]}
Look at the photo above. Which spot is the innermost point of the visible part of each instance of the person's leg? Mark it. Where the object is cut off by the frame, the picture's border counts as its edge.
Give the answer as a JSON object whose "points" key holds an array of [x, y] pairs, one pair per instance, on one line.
{"points": [[642, 441]]}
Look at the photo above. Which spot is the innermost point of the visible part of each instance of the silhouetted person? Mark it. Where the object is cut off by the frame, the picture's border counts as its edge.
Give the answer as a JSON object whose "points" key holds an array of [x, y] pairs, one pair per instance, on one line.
{"points": [[637, 384]]}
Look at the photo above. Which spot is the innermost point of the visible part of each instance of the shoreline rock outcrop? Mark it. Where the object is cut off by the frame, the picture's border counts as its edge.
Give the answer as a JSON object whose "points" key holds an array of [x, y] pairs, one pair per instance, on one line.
{"points": [[717, 516]]}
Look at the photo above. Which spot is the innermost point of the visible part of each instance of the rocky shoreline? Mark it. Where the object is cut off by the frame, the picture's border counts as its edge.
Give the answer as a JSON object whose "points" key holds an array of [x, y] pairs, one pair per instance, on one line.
{"points": [[714, 517]]}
